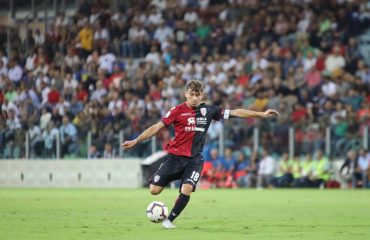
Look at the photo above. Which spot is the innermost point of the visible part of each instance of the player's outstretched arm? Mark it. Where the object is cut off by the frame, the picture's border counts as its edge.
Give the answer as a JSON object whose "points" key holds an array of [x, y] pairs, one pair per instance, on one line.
{"points": [[244, 113], [148, 133]]}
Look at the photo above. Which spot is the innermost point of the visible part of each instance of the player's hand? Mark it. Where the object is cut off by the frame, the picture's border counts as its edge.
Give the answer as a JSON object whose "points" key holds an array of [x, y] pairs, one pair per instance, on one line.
{"points": [[127, 145], [270, 113]]}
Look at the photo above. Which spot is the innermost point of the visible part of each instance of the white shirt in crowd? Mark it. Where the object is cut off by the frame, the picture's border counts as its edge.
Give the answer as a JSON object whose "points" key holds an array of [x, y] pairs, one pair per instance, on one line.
{"points": [[191, 17], [61, 106], [153, 57], [160, 4], [49, 137], [70, 84], [15, 73], [98, 94], [94, 17], [115, 104], [136, 33], [30, 62], [4, 59], [44, 120], [61, 21], [44, 94], [162, 33], [261, 63], [3, 70], [13, 124], [155, 18], [71, 60], [334, 62], [102, 34], [39, 39], [141, 18], [35, 134], [41, 79], [308, 63], [5, 107], [329, 88], [267, 166], [363, 162], [106, 62]]}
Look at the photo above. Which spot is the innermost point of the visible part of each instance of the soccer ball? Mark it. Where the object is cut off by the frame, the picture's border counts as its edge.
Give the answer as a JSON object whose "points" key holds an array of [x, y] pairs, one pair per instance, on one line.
{"points": [[157, 211]]}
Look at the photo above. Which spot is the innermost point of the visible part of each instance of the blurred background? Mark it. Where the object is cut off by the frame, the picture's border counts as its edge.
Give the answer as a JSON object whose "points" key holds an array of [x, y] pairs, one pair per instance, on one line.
{"points": [[78, 77]]}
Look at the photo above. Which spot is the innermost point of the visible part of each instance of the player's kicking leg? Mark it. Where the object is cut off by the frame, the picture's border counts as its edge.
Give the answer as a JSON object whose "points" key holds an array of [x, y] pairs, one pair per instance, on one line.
{"points": [[180, 204]]}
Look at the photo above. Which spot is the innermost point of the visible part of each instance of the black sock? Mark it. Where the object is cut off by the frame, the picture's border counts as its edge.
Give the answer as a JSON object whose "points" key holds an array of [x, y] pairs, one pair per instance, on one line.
{"points": [[180, 204]]}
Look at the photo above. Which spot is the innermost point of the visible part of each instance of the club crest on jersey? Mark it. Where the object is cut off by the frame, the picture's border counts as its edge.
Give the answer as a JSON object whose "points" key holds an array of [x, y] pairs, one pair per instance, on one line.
{"points": [[203, 111], [156, 178]]}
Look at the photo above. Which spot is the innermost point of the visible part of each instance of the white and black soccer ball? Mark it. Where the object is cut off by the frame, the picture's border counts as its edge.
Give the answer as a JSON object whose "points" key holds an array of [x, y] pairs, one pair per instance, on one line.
{"points": [[157, 211]]}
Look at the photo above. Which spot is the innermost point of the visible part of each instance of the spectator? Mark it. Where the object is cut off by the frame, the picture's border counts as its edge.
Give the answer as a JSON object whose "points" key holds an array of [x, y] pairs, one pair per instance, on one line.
{"points": [[241, 170], [93, 152], [13, 124], [38, 38], [236, 57], [50, 134], [68, 137], [101, 36], [72, 59], [212, 167], [363, 164], [15, 72], [306, 173], [335, 61], [45, 118], [284, 177], [86, 38], [322, 169], [108, 152], [106, 60], [227, 169], [266, 170], [153, 56], [36, 140]]}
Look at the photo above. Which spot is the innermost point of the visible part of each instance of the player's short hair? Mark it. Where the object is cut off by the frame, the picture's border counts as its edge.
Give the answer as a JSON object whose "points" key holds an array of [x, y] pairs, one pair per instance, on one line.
{"points": [[195, 86]]}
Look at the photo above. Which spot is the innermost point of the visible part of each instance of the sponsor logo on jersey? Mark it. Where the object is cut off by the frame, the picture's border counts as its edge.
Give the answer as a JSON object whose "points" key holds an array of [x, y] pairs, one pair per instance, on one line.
{"points": [[194, 129], [203, 111], [191, 121], [201, 120]]}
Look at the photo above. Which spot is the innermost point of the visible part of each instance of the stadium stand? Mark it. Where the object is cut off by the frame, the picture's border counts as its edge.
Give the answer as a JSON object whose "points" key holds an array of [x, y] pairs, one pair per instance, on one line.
{"points": [[107, 70]]}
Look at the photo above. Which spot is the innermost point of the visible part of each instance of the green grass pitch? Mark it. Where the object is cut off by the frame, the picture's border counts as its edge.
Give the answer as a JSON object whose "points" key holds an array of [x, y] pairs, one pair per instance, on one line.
{"points": [[211, 214]]}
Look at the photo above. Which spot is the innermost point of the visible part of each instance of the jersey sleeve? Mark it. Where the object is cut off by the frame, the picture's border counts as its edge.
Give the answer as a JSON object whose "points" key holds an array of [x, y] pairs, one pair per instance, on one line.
{"points": [[170, 117], [220, 113]]}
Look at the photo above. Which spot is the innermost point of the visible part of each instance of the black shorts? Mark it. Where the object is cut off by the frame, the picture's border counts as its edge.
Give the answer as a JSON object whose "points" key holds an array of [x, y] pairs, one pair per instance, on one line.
{"points": [[188, 169]]}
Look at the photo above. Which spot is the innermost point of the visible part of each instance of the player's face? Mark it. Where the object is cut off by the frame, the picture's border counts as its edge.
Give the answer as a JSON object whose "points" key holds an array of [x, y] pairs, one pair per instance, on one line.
{"points": [[194, 99]]}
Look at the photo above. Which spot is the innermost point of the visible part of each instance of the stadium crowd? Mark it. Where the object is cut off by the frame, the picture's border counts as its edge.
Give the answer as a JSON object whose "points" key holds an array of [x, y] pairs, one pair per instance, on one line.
{"points": [[110, 69], [263, 171]]}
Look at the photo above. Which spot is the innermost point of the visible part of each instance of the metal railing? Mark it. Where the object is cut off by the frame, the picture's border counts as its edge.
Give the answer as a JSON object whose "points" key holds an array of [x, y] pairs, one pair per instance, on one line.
{"points": [[35, 6], [292, 140]]}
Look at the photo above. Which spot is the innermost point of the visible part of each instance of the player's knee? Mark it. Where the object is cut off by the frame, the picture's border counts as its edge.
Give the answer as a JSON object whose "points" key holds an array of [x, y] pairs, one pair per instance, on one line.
{"points": [[155, 190], [187, 189]]}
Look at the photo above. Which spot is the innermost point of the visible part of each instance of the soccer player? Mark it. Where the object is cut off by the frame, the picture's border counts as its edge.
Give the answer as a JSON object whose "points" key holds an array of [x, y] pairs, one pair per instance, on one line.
{"points": [[191, 120]]}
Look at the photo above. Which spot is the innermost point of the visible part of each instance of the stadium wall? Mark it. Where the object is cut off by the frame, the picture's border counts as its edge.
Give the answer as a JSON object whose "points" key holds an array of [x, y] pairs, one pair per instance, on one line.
{"points": [[71, 173]]}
